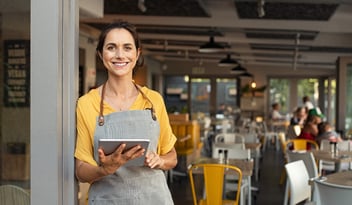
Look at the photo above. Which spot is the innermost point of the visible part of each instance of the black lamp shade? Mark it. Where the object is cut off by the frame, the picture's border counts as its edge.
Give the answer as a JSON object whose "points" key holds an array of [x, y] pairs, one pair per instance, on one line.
{"points": [[211, 47], [239, 69], [228, 61], [246, 75]]}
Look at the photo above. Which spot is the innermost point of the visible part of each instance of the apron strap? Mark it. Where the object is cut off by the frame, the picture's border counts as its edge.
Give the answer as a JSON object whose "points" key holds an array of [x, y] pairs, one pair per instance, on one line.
{"points": [[152, 111], [101, 116], [101, 109]]}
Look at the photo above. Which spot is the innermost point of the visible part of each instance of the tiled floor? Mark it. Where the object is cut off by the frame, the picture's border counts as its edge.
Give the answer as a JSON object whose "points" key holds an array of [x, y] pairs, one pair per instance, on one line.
{"points": [[270, 191]]}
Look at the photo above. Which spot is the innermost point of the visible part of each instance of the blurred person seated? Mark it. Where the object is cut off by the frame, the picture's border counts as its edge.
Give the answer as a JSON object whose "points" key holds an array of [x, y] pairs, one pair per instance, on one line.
{"points": [[275, 114], [221, 109], [299, 116], [326, 132], [310, 129]]}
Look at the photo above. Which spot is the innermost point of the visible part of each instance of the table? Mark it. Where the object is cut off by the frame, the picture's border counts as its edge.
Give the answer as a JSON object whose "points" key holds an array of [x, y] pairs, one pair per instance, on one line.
{"points": [[246, 166], [340, 178], [341, 157]]}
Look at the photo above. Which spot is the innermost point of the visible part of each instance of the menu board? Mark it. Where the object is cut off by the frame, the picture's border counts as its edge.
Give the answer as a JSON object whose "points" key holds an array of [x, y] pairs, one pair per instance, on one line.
{"points": [[16, 73]]}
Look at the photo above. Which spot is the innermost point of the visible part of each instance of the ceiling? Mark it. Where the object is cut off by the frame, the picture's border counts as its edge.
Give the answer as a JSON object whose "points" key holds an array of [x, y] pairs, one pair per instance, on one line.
{"points": [[285, 33]]}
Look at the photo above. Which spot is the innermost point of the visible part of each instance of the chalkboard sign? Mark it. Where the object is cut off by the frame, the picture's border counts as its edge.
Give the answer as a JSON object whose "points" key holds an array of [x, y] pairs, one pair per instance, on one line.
{"points": [[16, 73]]}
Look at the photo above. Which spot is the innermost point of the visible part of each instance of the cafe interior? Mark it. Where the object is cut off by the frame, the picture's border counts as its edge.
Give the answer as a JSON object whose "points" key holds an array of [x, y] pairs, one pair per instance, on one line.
{"points": [[220, 65]]}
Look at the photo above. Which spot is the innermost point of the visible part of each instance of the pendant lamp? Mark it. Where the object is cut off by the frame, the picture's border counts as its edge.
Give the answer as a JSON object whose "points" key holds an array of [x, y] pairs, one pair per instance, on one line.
{"points": [[211, 47], [246, 74], [228, 61], [238, 69]]}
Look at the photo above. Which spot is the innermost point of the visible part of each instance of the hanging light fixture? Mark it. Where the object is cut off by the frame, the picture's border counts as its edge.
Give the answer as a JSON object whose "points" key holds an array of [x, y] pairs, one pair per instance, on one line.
{"points": [[238, 69], [253, 84], [141, 6], [246, 75], [211, 46], [228, 61]]}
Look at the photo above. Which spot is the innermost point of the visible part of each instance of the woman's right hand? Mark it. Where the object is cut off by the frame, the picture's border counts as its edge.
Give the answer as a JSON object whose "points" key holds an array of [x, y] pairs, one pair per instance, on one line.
{"points": [[110, 163]]}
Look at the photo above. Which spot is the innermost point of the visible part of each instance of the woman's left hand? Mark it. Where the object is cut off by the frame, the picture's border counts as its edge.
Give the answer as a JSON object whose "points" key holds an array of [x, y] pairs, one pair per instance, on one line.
{"points": [[153, 160]]}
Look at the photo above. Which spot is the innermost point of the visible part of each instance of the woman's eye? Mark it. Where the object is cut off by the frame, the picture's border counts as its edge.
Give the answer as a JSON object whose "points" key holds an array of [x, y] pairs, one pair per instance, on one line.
{"points": [[110, 48]]}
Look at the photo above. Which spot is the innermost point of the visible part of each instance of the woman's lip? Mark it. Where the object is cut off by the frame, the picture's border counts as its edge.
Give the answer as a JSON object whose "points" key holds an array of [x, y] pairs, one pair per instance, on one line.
{"points": [[120, 63]]}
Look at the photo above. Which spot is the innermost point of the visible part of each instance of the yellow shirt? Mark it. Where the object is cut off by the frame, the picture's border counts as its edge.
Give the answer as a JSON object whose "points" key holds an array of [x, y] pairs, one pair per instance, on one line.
{"points": [[87, 112]]}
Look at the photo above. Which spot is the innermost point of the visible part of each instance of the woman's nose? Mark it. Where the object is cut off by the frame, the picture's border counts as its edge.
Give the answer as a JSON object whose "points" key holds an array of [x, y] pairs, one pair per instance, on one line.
{"points": [[118, 53]]}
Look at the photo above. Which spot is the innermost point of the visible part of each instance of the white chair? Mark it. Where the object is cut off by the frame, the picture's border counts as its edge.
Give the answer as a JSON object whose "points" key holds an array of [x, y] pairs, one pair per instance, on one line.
{"points": [[308, 159], [325, 165], [251, 137], [297, 183], [229, 138], [309, 162], [233, 153], [328, 194], [13, 195], [344, 146], [332, 166], [269, 136], [222, 146]]}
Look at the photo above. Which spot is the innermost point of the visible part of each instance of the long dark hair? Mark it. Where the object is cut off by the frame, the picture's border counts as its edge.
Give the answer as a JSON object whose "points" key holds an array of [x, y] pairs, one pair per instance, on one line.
{"points": [[130, 28]]}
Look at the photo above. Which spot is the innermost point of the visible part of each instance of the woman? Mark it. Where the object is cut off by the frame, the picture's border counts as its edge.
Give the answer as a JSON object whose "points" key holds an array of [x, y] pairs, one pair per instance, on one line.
{"points": [[310, 129], [122, 109], [299, 116]]}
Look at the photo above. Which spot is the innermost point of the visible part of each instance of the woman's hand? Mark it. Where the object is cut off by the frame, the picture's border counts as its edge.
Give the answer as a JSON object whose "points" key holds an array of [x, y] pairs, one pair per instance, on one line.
{"points": [[164, 162], [110, 163], [153, 160]]}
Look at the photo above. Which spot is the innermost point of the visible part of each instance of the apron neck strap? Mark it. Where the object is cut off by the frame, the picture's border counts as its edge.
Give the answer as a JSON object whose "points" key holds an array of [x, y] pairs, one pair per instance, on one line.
{"points": [[101, 116]]}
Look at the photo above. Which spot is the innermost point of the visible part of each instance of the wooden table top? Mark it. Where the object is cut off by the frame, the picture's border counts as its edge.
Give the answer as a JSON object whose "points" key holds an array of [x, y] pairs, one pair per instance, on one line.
{"points": [[343, 156], [341, 178], [252, 145], [246, 166]]}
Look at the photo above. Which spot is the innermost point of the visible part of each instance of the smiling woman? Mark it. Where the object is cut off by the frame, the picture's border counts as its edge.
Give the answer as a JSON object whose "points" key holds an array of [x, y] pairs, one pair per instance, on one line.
{"points": [[122, 109]]}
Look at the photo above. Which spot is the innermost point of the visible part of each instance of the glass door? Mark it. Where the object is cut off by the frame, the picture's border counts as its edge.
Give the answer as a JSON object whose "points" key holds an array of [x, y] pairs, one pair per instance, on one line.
{"points": [[15, 94], [200, 95]]}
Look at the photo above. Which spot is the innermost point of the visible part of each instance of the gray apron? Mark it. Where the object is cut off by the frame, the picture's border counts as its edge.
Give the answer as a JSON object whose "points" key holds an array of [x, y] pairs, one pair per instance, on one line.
{"points": [[130, 185]]}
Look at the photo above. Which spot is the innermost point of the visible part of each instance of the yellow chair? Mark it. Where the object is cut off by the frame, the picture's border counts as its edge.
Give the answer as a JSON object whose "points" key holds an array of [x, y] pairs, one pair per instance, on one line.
{"points": [[214, 175], [301, 144]]}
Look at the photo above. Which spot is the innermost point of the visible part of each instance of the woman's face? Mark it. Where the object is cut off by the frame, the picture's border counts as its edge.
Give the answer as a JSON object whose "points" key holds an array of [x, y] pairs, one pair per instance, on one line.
{"points": [[302, 113], [317, 120], [119, 52]]}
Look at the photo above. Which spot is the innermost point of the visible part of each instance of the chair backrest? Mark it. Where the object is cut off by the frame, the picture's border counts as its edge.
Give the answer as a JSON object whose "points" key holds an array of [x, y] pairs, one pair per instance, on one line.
{"points": [[344, 145], [251, 137], [298, 179], [301, 144], [325, 145], [308, 159], [214, 175], [229, 138], [235, 150], [293, 131], [328, 193], [13, 195]]}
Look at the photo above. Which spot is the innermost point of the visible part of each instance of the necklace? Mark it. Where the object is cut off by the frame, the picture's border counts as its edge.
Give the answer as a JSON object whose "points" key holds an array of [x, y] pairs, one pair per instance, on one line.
{"points": [[117, 101]]}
